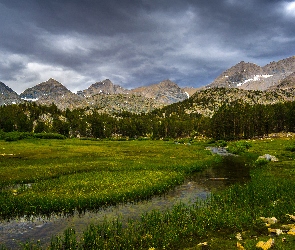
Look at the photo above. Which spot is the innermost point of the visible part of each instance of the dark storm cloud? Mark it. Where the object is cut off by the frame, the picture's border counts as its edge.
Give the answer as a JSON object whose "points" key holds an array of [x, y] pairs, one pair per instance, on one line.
{"points": [[141, 42]]}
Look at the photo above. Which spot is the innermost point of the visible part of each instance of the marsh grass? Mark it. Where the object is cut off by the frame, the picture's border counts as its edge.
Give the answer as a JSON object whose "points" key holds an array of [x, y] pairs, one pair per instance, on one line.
{"points": [[40, 177], [86, 191], [216, 220]]}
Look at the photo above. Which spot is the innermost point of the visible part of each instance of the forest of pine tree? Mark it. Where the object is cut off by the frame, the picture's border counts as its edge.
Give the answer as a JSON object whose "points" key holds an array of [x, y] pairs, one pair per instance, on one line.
{"points": [[236, 120]]}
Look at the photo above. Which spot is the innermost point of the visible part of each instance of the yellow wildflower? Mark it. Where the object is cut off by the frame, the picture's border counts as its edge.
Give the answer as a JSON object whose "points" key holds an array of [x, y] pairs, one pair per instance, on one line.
{"points": [[265, 245], [239, 246]]}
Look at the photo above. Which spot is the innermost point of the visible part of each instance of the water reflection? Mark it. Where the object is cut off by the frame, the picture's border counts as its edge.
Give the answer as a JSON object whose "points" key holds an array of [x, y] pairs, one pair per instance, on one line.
{"points": [[198, 186]]}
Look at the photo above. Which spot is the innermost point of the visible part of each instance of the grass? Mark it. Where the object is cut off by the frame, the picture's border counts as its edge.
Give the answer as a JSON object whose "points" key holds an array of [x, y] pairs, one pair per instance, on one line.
{"points": [[216, 221], [39, 177]]}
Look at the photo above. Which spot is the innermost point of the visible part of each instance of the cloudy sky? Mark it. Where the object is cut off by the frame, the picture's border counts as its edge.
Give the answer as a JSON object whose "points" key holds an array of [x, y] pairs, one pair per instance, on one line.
{"points": [[138, 42]]}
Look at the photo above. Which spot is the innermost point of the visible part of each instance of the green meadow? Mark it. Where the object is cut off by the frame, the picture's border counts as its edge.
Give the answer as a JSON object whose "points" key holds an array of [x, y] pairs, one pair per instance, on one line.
{"points": [[41, 177]]}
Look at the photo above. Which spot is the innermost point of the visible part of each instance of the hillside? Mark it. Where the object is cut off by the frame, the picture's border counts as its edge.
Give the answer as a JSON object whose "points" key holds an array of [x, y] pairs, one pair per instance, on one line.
{"points": [[115, 103], [208, 101], [48, 88]]}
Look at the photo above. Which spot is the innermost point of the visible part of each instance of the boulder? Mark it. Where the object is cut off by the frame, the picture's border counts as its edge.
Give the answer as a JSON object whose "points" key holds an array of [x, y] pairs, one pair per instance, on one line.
{"points": [[268, 157]]}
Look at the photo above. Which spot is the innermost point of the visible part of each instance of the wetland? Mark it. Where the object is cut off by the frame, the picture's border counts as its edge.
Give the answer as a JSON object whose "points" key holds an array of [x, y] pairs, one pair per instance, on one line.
{"points": [[174, 195]]}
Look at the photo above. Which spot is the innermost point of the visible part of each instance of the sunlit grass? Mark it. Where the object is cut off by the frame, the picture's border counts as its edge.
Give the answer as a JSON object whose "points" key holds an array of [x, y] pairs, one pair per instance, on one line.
{"points": [[84, 191], [45, 176]]}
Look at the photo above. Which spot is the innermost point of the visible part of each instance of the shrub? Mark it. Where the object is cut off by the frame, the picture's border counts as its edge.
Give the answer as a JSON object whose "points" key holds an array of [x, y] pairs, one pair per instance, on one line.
{"points": [[260, 162], [2, 134], [221, 143], [239, 147], [49, 136], [290, 148], [15, 136]]}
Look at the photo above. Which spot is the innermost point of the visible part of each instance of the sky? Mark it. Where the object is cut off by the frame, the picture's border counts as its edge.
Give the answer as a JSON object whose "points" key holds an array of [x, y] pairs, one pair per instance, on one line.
{"points": [[138, 42]]}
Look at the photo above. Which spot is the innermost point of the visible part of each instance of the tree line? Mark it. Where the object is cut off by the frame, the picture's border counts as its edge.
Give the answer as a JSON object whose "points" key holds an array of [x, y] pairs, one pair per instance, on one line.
{"points": [[235, 120]]}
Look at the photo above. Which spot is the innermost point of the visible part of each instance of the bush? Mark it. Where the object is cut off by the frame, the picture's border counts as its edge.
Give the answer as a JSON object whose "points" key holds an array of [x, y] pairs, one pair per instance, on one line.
{"points": [[211, 141], [49, 136], [2, 134], [221, 143], [144, 139], [290, 148], [260, 162], [239, 147], [15, 136]]}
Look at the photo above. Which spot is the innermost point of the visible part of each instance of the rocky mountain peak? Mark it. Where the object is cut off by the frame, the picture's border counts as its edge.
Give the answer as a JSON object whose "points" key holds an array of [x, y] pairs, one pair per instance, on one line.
{"points": [[236, 75], [50, 87], [250, 76], [168, 84], [103, 87], [53, 91]]}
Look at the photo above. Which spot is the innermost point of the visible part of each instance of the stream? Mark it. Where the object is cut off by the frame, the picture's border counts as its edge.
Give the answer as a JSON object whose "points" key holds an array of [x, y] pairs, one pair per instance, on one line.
{"points": [[197, 186]]}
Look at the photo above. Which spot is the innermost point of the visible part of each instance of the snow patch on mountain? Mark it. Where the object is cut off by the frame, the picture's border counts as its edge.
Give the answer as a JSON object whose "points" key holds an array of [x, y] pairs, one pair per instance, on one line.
{"points": [[254, 79]]}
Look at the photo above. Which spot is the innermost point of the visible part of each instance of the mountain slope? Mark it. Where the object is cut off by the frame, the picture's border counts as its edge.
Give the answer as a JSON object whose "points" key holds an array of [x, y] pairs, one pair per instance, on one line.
{"points": [[285, 66], [8, 96], [208, 101], [286, 83], [165, 92], [122, 102]]}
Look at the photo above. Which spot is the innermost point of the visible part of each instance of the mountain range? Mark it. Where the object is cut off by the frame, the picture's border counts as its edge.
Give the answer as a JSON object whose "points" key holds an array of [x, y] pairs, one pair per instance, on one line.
{"points": [[104, 96], [274, 82]]}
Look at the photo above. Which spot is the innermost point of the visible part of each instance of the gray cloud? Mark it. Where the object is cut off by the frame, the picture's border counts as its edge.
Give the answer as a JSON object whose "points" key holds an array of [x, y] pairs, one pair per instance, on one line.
{"points": [[136, 43]]}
